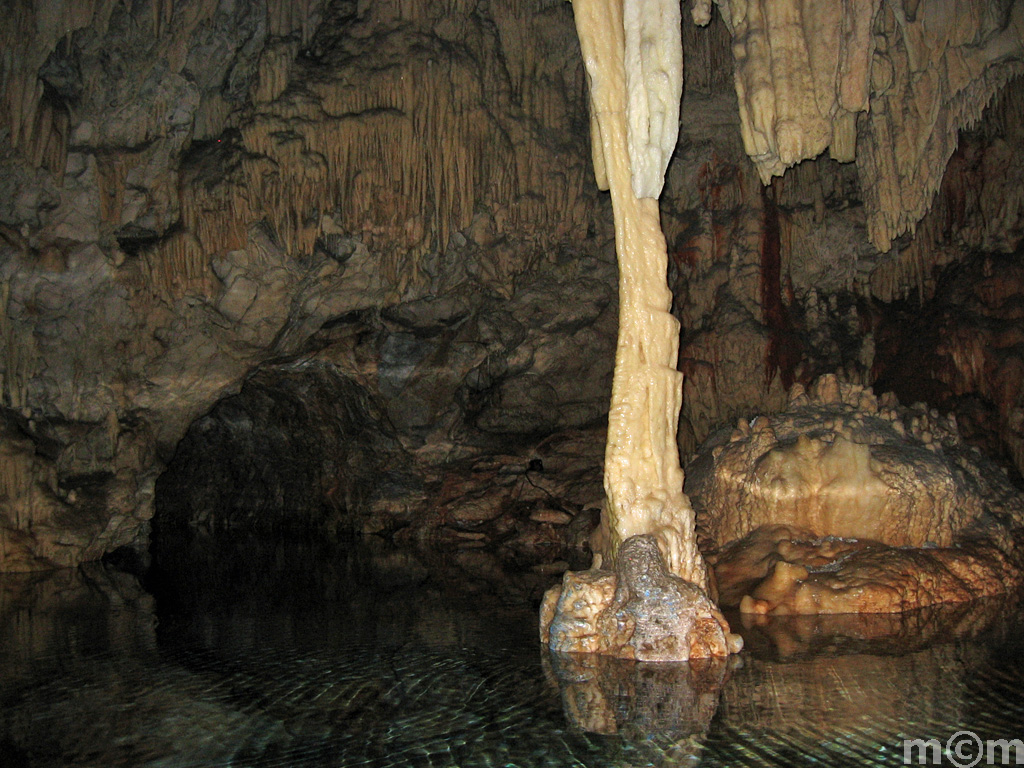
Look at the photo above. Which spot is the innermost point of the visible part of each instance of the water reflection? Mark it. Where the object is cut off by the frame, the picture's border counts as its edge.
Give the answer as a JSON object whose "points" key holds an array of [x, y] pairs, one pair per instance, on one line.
{"points": [[839, 689], [288, 654], [602, 694]]}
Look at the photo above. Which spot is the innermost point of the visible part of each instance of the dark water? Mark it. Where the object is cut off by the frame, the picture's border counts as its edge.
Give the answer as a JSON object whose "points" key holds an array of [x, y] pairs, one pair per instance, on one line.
{"points": [[243, 654]]}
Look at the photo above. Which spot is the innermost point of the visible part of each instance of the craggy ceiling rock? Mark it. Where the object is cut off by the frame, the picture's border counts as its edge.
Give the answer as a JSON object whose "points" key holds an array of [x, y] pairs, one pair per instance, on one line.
{"points": [[847, 504], [166, 227], [888, 85]]}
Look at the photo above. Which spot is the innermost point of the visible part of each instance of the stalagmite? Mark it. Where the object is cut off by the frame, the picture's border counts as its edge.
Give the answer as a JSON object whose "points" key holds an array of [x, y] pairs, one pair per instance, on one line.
{"points": [[642, 611]]}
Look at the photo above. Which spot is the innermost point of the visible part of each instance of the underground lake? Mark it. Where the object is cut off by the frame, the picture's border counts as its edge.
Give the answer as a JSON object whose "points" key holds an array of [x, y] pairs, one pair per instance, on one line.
{"points": [[236, 651]]}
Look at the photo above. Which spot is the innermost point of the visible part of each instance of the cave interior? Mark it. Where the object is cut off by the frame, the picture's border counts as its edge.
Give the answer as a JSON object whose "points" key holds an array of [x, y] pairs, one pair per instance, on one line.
{"points": [[309, 313]]}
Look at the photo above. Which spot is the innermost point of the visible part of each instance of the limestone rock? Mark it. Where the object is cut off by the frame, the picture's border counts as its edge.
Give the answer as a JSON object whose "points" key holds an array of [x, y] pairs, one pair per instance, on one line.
{"points": [[966, 354], [838, 505], [163, 234], [640, 611], [805, 73], [299, 448]]}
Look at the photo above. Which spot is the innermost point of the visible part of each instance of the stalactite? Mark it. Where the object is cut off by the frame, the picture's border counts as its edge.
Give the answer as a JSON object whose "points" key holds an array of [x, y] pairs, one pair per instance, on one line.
{"points": [[401, 154], [29, 32], [943, 75], [20, 359], [979, 206], [391, 150], [804, 72]]}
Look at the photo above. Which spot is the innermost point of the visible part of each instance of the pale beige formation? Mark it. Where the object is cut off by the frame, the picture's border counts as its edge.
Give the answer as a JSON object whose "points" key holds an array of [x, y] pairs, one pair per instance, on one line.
{"points": [[643, 478], [654, 606], [886, 84], [847, 504], [639, 611], [654, 86]]}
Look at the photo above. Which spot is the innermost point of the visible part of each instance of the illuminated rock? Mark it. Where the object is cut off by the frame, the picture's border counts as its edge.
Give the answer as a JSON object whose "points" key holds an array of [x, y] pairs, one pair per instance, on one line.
{"points": [[844, 504], [887, 85], [653, 607], [640, 611]]}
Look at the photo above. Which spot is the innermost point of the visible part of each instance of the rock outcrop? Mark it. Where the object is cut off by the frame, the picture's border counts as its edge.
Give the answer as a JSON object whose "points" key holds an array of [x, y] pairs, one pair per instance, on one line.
{"points": [[962, 351], [845, 503], [638, 611], [192, 191]]}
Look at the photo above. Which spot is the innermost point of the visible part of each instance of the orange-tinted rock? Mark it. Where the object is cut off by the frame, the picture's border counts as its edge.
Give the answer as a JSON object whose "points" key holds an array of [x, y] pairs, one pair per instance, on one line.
{"points": [[831, 508]]}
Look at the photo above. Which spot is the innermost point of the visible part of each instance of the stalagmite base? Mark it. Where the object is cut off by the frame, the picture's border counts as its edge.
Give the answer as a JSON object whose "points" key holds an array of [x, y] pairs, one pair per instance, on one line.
{"points": [[654, 605]]}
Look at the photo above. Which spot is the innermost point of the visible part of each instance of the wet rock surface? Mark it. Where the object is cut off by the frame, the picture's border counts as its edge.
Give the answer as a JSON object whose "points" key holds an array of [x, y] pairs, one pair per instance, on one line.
{"points": [[962, 352], [639, 611], [155, 254], [849, 504]]}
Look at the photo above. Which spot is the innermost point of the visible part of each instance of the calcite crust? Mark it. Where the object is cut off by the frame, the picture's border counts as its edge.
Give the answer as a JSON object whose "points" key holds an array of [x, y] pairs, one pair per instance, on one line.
{"points": [[848, 504]]}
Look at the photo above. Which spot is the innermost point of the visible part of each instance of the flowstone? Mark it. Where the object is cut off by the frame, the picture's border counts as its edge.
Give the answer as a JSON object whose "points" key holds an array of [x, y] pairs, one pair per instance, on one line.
{"points": [[848, 503]]}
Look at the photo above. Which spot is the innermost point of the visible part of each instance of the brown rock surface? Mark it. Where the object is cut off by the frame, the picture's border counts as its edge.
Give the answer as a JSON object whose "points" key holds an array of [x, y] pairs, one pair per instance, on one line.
{"points": [[191, 189], [844, 504]]}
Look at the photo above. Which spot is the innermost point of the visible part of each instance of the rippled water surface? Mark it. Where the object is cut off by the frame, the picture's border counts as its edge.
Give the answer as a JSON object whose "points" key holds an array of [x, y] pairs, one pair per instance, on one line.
{"points": [[242, 654]]}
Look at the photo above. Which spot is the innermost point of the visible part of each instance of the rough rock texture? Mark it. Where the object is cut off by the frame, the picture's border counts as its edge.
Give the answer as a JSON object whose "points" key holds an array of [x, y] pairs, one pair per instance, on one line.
{"points": [[301, 447], [166, 227], [643, 477], [639, 611], [191, 190], [847, 504], [780, 284], [962, 352], [306, 450], [888, 85]]}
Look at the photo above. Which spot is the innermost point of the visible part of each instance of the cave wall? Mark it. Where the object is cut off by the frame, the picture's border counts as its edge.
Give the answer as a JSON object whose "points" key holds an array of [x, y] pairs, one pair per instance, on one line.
{"points": [[191, 189], [195, 195], [776, 284]]}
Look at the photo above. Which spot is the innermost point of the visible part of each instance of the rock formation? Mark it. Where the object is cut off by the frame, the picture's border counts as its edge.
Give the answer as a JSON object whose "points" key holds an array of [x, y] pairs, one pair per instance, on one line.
{"points": [[196, 195], [638, 611], [154, 249], [966, 356], [844, 503], [887, 85], [653, 607]]}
